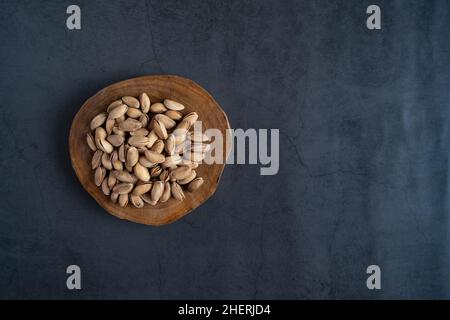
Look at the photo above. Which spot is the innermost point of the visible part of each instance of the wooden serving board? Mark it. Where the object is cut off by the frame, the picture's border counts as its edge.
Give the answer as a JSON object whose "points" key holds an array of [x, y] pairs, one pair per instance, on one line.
{"points": [[158, 87]]}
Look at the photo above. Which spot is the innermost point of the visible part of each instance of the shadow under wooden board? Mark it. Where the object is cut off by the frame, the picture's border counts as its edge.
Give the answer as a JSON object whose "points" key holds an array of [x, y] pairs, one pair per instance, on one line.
{"points": [[157, 87]]}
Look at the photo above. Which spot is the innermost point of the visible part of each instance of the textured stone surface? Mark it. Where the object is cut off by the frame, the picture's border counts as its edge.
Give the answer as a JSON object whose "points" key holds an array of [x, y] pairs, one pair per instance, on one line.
{"points": [[363, 118]]}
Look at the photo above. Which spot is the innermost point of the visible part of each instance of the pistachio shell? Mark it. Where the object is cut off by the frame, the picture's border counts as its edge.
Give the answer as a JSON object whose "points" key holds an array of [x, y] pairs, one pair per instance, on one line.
{"points": [[170, 145], [158, 147], [105, 146], [119, 132], [122, 152], [98, 120], [114, 197], [136, 201], [106, 161], [134, 113], [131, 101], [120, 119], [141, 172], [100, 140], [158, 108], [157, 190], [159, 128], [100, 133], [114, 156], [146, 163], [90, 142], [111, 180], [164, 176], [191, 118], [118, 165], [154, 156], [115, 139], [172, 161], [166, 193], [138, 141], [166, 121], [132, 156], [180, 136], [173, 105], [152, 138], [96, 159], [145, 102], [123, 200], [140, 132], [144, 119], [182, 127], [142, 188], [177, 191], [195, 184], [191, 177], [189, 163], [174, 115], [124, 176], [123, 188], [130, 125], [105, 187], [147, 199], [113, 105], [109, 125], [118, 112], [180, 173], [155, 171], [99, 175]]}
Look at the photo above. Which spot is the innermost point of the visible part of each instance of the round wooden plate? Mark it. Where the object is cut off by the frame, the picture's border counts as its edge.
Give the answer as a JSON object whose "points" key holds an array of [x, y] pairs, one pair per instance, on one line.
{"points": [[158, 87]]}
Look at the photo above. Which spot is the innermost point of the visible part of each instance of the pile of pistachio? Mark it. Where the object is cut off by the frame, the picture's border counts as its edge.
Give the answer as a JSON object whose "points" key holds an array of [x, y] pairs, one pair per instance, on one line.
{"points": [[144, 152]]}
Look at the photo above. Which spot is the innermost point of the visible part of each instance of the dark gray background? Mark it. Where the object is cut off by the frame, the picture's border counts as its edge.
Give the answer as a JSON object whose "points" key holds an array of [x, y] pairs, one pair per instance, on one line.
{"points": [[363, 117]]}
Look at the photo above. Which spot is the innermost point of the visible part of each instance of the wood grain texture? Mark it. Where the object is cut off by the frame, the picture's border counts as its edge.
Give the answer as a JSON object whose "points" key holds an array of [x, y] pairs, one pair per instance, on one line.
{"points": [[158, 87]]}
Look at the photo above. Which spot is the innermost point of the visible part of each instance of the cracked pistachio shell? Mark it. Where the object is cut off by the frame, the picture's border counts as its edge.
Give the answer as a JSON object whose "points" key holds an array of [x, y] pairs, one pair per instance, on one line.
{"points": [[136, 201], [177, 191], [159, 128]]}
